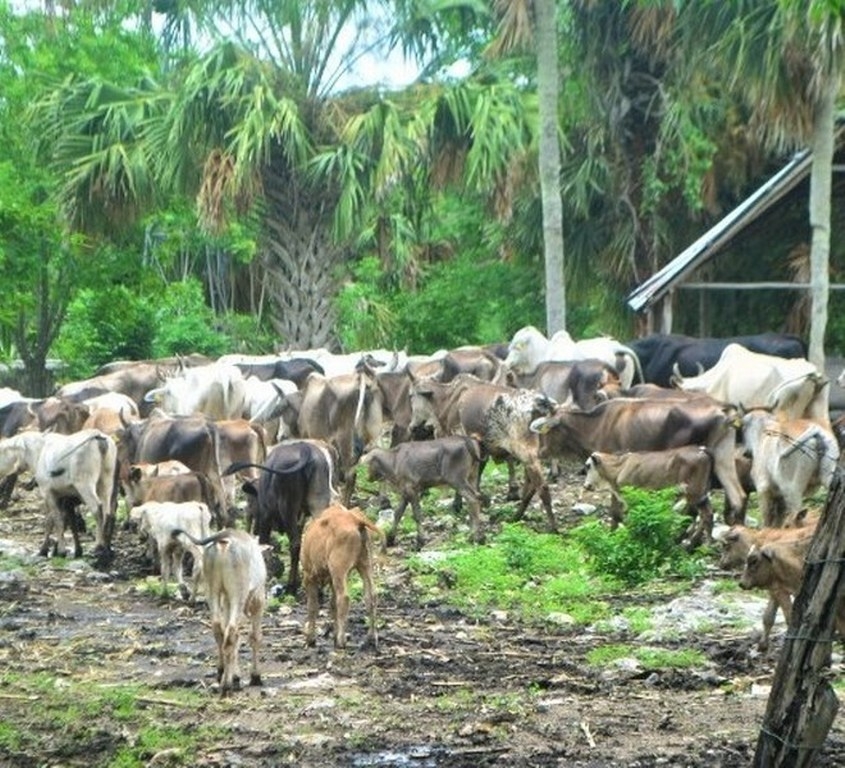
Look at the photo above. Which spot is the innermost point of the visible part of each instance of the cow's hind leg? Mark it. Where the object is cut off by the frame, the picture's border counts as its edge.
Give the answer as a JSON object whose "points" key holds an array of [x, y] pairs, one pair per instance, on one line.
{"points": [[254, 611]]}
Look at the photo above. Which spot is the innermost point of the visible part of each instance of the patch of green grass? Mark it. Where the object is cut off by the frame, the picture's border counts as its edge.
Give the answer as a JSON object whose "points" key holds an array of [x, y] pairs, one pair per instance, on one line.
{"points": [[649, 657], [10, 737], [723, 586], [639, 619], [534, 574], [154, 587]]}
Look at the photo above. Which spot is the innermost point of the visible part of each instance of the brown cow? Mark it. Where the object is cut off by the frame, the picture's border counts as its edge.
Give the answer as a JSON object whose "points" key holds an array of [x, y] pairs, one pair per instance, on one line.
{"points": [[738, 541], [779, 568], [182, 487], [584, 382], [240, 442], [475, 361], [334, 543], [688, 466], [624, 424], [346, 412], [193, 440], [412, 467]]}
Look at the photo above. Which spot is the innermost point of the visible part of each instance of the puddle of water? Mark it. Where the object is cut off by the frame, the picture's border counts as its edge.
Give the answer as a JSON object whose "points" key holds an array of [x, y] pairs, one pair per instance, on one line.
{"points": [[418, 757]]}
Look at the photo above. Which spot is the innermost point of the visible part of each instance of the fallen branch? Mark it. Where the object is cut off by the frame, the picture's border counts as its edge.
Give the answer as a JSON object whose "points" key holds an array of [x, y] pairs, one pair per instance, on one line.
{"points": [[586, 729]]}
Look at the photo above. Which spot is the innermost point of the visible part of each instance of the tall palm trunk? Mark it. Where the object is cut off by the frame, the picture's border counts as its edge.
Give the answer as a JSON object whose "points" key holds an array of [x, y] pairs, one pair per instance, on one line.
{"points": [[820, 193], [300, 260], [545, 37]]}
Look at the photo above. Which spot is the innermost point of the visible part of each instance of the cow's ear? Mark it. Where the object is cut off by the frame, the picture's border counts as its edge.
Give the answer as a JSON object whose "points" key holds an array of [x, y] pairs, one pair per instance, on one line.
{"points": [[768, 553], [134, 473], [595, 458], [800, 517]]}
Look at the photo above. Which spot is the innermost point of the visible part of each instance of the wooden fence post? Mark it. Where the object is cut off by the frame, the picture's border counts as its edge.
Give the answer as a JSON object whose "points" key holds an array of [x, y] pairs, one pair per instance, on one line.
{"points": [[802, 703]]}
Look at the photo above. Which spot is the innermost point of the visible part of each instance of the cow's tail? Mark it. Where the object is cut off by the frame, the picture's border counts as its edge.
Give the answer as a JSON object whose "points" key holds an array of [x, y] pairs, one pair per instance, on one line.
{"points": [[635, 362], [240, 465], [473, 443], [358, 427], [102, 444], [213, 539], [818, 445]]}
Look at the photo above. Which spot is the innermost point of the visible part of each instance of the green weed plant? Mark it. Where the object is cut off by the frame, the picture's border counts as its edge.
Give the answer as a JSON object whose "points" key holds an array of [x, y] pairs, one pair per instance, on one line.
{"points": [[645, 547]]}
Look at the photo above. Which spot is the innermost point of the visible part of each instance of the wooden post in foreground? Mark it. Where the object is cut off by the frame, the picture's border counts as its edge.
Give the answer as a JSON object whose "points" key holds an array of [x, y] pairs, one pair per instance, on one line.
{"points": [[802, 704]]}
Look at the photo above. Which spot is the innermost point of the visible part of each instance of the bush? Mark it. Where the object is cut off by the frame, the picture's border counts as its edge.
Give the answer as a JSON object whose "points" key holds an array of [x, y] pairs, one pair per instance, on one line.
{"points": [[645, 547], [467, 300], [185, 324], [104, 325]]}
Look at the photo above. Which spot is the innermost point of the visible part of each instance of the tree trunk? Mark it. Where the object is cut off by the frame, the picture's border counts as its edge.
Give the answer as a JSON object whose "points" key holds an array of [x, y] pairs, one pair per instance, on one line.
{"points": [[820, 191], [802, 703], [301, 262], [545, 35]]}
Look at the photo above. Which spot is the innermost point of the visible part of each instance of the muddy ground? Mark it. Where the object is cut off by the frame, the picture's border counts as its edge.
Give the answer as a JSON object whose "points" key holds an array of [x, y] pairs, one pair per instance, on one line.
{"points": [[442, 691]]}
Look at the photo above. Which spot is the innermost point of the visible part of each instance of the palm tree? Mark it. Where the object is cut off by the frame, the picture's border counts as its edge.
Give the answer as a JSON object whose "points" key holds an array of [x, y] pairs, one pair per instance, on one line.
{"points": [[524, 22]]}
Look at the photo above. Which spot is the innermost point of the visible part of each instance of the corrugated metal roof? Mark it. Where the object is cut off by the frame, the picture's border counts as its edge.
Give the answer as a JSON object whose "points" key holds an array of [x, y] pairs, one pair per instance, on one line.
{"points": [[662, 281]]}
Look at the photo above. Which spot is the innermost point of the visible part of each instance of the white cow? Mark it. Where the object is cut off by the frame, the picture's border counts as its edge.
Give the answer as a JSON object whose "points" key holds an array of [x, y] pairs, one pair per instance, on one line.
{"points": [[80, 466], [157, 520], [215, 390], [262, 399], [339, 364], [794, 388], [529, 347], [790, 458], [235, 579]]}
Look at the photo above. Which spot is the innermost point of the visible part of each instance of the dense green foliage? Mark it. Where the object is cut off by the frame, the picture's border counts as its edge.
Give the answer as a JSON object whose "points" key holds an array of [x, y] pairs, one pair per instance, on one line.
{"points": [[645, 547], [361, 216], [543, 575], [119, 324]]}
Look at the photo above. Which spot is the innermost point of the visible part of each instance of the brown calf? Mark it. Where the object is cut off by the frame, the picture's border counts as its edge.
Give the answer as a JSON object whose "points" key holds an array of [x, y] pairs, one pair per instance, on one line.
{"points": [[334, 543], [688, 466], [738, 542]]}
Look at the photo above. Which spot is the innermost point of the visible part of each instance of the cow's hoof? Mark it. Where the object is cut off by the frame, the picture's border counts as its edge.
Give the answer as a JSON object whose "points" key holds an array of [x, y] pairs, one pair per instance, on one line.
{"points": [[255, 679], [236, 683], [184, 592], [513, 495]]}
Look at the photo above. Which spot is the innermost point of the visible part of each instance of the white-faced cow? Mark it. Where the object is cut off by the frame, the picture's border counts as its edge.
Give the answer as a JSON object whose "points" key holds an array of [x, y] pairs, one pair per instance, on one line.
{"points": [[746, 379], [529, 347], [295, 483], [789, 459], [624, 424]]}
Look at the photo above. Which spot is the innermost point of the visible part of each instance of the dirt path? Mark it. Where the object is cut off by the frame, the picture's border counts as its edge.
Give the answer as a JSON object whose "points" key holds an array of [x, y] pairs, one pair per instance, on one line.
{"points": [[442, 691]]}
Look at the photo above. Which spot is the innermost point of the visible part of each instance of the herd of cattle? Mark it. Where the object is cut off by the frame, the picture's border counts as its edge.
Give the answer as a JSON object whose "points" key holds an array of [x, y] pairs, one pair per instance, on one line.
{"points": [[177, 438]]}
